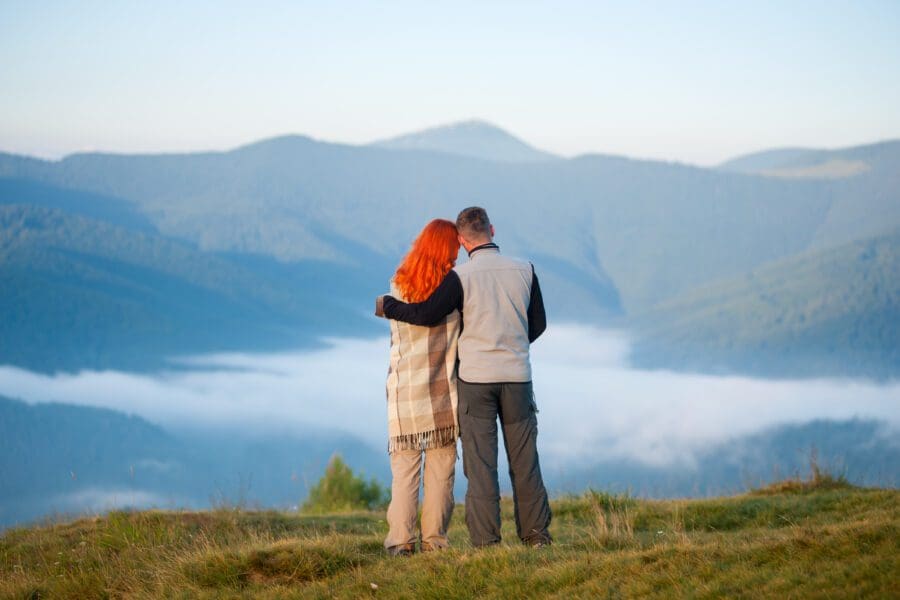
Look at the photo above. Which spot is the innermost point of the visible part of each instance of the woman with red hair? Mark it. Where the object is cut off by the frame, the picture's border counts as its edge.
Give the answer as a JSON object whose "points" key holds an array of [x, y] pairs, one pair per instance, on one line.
{"points": [[421, 399]]}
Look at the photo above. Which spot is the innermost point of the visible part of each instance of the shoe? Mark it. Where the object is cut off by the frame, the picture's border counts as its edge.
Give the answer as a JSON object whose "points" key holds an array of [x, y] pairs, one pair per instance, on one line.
{"points": [[402, 550], [426, 547], [539, 543]]}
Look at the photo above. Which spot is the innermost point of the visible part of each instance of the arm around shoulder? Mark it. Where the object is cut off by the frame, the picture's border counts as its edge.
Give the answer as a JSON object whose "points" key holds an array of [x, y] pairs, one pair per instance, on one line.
{"points": [[443, 300]]}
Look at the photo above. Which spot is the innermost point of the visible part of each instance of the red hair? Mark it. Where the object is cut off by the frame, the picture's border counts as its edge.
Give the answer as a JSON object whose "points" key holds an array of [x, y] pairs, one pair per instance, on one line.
{"points": [[430, 258]]}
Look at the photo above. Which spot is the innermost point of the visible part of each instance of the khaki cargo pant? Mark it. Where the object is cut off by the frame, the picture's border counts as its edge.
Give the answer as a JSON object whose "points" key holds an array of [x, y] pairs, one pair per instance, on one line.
{"points": [[437, 504]]}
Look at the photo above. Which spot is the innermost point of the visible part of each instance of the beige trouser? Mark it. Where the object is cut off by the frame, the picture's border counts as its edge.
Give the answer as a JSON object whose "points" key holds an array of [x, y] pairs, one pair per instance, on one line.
{"points": [[437, 505]]}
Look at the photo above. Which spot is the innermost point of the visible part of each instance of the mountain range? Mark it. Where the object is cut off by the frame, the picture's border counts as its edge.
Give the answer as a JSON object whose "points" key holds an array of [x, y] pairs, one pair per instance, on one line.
{"points": [[278, 242]]}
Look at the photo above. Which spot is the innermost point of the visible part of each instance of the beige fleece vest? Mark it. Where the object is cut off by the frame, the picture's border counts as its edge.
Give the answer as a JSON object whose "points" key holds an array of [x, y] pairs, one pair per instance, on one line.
{"points": [[493, 346]]}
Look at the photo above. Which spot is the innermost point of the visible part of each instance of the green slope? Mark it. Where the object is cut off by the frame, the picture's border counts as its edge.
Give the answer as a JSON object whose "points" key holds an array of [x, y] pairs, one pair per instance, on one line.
{"points": [[652, 229], [86, 204], [865, 186], [646, 230], [822, 539], [83, 293], [802, 162], [610, 237], [831, 311]]}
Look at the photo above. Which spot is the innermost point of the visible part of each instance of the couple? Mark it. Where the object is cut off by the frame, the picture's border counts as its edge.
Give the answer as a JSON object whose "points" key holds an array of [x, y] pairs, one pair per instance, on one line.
{"points": [[479, 317]]}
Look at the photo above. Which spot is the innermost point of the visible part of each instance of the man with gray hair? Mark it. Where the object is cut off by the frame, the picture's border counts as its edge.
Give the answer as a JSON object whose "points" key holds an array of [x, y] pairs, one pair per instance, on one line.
{"points": [[503, 312]]}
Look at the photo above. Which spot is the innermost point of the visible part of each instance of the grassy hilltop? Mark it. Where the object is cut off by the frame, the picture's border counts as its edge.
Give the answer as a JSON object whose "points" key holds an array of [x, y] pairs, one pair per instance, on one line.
{"points": [[796, 539]]}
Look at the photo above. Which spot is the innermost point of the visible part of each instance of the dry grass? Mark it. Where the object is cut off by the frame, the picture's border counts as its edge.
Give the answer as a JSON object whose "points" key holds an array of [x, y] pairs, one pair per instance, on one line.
{"points": [[826, 541], [818, 479]]}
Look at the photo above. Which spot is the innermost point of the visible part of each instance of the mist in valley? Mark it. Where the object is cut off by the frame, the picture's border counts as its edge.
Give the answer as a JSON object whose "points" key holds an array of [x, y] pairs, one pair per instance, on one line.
{"points": [[294, 409]]}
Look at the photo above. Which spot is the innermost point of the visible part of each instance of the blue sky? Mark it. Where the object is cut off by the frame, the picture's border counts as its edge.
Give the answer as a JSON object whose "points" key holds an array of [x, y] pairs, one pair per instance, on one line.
{"points": [[696, 82]]}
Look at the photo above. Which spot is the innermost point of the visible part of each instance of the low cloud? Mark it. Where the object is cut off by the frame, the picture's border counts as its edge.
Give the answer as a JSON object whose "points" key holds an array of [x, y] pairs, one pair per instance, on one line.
{"points": [[592, 404], [662, 417], [101, 499]]}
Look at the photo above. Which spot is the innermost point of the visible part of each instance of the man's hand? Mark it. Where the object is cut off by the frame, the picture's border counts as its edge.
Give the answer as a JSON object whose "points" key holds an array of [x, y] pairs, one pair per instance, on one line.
{"points": [[379, 306]]}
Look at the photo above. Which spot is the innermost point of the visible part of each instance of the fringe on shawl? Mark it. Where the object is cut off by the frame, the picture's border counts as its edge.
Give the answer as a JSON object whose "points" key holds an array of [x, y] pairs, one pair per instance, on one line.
{"points": [[436, 438]]}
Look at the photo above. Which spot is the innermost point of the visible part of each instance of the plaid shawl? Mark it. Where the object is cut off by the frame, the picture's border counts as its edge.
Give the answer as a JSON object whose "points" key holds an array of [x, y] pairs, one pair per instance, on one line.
{"points": [[421, 384]]}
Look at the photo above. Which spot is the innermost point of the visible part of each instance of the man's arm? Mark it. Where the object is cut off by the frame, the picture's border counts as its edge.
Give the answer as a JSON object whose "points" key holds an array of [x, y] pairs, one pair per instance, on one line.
{"points": [[442, 301], [537, 318]]}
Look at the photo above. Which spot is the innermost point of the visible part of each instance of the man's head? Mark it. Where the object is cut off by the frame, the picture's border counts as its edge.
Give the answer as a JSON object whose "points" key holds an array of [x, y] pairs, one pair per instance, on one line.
{"points": [[474, 227]]}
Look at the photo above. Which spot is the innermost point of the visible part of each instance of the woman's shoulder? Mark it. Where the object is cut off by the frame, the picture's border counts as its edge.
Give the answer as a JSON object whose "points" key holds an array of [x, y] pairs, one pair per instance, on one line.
{"points": [[395, 291]]}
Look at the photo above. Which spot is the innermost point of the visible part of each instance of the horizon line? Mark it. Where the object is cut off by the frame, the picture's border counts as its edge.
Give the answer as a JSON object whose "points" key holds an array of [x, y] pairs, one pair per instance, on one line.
{"points": [[375, 144]]}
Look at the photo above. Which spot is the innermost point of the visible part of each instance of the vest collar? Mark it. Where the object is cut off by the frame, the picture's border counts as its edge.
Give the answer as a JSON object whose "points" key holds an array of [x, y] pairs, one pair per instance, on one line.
{"points": [[489, 245]]}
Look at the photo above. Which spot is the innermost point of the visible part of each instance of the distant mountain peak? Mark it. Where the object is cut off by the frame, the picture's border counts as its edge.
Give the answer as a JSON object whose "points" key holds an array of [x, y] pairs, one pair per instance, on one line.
{"points": [[472, 124], [474, 138], [280, 142]]}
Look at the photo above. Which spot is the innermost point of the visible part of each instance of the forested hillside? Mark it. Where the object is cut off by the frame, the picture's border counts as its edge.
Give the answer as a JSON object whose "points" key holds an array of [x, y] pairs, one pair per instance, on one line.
{"points": [[79, 292], [276, 243], [828, 311]]}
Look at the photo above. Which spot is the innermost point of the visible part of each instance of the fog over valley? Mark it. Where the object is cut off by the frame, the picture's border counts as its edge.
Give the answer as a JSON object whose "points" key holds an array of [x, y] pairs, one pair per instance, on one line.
{"points": [[593, 405], [196, 329]]}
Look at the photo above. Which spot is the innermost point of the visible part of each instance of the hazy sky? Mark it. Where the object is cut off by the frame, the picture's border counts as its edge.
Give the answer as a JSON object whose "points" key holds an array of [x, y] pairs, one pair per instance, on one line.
{"points": [[695, 82]]}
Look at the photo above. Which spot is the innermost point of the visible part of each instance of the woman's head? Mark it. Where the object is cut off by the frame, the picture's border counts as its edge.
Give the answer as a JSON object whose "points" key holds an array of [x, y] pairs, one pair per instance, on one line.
{"points": [[432, 255]]}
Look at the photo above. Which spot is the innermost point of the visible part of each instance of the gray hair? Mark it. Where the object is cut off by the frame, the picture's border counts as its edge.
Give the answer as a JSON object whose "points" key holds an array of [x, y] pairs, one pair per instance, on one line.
{"points": [[473, 223]]}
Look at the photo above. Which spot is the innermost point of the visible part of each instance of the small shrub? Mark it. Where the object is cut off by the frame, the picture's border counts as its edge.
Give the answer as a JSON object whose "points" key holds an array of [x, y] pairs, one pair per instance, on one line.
{"points": [[340, 490], [820, 478]]}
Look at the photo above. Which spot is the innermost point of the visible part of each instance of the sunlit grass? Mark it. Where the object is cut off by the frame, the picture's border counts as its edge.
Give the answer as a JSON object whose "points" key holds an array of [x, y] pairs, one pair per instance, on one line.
{"points": [[821, 540]]}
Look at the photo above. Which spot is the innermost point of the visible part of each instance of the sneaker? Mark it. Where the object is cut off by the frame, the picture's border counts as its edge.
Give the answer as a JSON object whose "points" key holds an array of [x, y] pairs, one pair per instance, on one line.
{"points": [[402, 550]]}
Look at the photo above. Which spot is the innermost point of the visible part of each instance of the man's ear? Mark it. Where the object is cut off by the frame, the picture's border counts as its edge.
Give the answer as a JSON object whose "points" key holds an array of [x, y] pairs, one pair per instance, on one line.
{"points": [[492, 230]]}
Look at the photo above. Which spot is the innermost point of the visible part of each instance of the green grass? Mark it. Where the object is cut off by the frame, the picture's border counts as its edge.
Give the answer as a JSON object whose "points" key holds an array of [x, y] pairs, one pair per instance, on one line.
{"points": [[795, 539]]}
